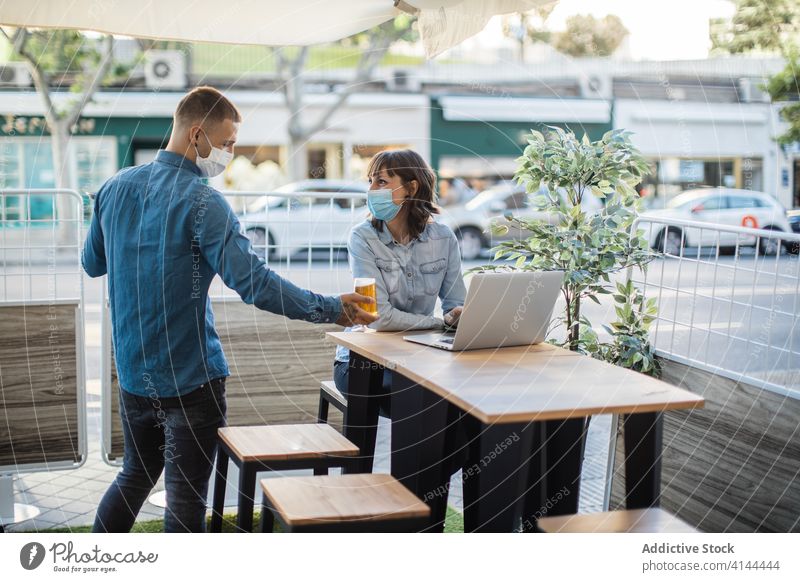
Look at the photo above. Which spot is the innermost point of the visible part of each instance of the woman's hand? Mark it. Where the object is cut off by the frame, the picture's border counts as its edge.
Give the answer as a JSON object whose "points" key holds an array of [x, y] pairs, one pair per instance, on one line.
{"points": [[451, 317], [352, 314]]}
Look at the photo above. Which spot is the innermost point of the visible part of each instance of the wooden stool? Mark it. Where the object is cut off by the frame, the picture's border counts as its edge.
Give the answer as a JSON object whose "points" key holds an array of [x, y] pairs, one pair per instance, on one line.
{"points": [[329, 394], [651, 520], [273, 448], [364, 502]]}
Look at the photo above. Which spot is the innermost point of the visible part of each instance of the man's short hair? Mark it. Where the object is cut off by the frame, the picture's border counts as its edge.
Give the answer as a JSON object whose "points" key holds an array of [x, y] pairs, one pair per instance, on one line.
{"points": [[205, 105]]}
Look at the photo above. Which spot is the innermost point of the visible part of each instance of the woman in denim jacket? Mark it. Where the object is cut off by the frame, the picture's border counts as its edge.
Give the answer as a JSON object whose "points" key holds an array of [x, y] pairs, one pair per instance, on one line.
{"points": [[413, 259]]}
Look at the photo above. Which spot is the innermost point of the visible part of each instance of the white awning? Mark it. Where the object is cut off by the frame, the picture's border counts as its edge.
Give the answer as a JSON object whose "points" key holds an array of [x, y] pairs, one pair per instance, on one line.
{"points": [[442, 23], [525, 109], [477, 166]]}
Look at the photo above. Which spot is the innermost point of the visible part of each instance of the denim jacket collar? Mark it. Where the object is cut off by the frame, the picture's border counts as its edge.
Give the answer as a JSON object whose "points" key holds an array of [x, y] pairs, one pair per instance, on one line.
{"points": [[177, 160], [386, 237]]}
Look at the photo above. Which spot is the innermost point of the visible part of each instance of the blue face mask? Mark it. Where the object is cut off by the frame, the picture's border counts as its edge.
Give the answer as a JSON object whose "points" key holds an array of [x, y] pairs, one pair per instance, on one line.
{"points": [[380, 204]]}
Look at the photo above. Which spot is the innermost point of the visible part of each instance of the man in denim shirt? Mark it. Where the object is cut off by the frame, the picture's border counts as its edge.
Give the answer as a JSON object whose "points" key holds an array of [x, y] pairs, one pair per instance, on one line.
{"points": [[162, 235]]}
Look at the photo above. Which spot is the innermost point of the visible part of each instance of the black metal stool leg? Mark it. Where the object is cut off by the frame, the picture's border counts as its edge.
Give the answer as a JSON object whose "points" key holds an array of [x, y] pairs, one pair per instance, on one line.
{"points": [[322, 412], [267, 519], [247, 481], [220, 481]]}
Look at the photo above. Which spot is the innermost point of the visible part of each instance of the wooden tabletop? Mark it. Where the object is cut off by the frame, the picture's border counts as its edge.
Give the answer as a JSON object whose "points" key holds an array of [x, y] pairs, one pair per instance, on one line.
{"points": [[520, 384]]}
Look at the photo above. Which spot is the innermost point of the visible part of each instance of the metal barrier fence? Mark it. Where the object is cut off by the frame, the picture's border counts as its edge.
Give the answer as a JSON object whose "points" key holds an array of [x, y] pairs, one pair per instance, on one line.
{"points": [[43, 409], [728, 305], [282, 225]]}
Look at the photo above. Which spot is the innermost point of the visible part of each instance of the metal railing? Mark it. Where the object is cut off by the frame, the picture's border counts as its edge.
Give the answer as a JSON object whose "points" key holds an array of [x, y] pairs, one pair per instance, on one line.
{"points": [[729, 302], [40, 266]]}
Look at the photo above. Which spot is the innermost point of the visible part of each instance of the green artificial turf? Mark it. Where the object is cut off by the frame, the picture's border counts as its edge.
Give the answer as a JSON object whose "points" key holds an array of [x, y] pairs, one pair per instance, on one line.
{"points": [[454, 523]]}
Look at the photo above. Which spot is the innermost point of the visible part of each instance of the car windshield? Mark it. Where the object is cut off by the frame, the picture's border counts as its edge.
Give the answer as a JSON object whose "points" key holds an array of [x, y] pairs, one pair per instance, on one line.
{"points": [[487, 197], [686, 198]]}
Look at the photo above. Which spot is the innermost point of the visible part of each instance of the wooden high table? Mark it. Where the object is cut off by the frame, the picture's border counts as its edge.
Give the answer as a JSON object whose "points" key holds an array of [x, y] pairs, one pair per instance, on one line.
{"points": [[513, 418]]}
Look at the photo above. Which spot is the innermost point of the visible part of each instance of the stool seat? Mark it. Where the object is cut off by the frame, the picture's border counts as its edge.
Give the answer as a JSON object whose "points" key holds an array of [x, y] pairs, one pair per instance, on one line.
{"points": [[285, 442], [273, 448], [650, 520], [354, 502], [329, 388]]}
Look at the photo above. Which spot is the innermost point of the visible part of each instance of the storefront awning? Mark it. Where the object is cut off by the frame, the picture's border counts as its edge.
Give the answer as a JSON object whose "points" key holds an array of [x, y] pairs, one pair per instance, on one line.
{"points": [[442, 23], [520, 109]]}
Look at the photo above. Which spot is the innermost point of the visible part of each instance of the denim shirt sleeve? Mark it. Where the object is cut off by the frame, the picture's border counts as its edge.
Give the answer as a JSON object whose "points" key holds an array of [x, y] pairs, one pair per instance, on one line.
{"points": [[363, 264], [93, 257], [453, 291], [230, 254]]}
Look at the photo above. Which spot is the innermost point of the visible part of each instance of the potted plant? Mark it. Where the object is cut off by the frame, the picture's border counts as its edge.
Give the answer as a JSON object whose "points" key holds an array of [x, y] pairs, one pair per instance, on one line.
{"points": [[589, 247]]}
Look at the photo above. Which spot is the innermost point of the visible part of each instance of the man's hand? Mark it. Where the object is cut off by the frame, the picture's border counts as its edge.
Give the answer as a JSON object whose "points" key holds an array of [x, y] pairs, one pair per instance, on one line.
{"points": [[352, 314], [451, 317]]}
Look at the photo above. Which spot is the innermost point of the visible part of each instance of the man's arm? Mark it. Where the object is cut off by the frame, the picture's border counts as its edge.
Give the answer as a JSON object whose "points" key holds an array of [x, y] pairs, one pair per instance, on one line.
{"points": [[93, 257], [230, 254]]}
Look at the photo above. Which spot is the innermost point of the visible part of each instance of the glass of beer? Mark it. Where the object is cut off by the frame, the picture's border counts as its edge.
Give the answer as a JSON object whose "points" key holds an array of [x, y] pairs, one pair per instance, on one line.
{"points": [[366, 286]]}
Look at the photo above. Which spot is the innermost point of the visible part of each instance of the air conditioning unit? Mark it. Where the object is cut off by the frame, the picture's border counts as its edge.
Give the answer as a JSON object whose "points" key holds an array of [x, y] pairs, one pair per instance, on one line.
{"points": [[165, 69], [403, 80], [596, 87], [749, 91], [15, 75]]}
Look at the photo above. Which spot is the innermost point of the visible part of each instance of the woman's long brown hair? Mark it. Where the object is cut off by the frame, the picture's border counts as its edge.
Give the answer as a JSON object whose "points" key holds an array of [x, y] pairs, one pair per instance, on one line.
{"points": [[410, 166]]}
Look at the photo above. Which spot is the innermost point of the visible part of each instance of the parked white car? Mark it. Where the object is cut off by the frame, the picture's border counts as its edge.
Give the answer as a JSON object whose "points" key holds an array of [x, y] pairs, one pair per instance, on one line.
{"points": [[310, 214], [296, 217], [472, 221], [724, 206]]}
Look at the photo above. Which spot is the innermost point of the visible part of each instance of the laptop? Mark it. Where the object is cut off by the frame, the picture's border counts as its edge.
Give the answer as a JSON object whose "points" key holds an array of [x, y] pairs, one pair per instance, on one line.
{"points": [[501, 309]]}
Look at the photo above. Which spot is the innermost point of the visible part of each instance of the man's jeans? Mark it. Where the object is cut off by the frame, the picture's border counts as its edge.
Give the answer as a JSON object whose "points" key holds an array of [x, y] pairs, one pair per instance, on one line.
{"points": [[179, 434]]}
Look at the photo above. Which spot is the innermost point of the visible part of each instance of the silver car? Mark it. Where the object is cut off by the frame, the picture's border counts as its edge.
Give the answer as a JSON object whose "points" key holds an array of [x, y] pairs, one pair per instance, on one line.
{"points": [[310, 214], [475, 218]]}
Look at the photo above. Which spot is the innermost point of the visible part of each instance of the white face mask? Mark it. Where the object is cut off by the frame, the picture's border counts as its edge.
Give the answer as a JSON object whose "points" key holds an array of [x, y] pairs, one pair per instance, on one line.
{"points": [[216, 162]]}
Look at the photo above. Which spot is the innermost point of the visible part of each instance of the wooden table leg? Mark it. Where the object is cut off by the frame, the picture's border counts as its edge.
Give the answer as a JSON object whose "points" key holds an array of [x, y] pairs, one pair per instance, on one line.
{"points": [[365, 378], [420, 460], [643, 440], [496, 475]]}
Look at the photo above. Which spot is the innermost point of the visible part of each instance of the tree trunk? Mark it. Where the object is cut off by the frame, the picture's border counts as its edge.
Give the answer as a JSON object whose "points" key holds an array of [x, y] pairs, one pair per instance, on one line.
{"points": [[575, 331], [65, 205], [298, 157]]}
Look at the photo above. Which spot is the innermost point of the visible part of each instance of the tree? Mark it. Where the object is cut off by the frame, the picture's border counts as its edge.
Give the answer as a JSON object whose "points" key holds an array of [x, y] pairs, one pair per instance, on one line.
{"points": [[529, 26], [587, 36], [769, 26], [291, 62], [785, 86], [55, 58]]}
